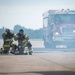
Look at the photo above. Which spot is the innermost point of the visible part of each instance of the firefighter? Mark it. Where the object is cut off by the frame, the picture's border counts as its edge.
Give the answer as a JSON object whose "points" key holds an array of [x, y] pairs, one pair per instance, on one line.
{"points": [[1, 50], [7, 39], [23, 42]]}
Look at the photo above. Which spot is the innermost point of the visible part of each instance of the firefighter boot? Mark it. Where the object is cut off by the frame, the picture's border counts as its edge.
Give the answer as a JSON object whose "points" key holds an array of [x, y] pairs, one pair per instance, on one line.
{"points": [[30, 51]]}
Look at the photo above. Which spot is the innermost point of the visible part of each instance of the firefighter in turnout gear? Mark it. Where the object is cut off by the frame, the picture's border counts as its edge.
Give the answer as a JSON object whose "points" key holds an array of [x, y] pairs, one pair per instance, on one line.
{"points": [[1, 50], [7, 39], [23, 42]]}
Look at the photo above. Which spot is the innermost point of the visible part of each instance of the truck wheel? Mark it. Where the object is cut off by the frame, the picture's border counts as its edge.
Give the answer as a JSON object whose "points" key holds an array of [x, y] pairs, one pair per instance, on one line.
{"points": [[53, 45], [47, 45]]}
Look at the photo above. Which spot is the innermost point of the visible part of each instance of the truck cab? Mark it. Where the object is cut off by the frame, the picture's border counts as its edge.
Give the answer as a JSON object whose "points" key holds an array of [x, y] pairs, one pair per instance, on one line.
{"points": [[59, 28]]}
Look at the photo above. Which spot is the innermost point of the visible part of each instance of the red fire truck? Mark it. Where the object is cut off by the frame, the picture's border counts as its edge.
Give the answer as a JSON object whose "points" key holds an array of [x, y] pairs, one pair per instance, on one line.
{"points": [[59, 28]]}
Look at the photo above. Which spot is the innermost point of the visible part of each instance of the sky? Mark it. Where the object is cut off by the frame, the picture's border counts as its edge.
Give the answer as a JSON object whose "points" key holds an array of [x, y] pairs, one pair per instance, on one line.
{"points": [[29, 13]]}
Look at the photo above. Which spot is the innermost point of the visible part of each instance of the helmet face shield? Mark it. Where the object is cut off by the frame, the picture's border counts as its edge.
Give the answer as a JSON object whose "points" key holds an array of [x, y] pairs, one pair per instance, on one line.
{"points": [[21, 31]]}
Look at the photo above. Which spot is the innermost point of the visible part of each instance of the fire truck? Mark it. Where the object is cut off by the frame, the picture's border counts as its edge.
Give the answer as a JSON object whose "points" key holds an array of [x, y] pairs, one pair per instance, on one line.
{"points": [[59, 28]]}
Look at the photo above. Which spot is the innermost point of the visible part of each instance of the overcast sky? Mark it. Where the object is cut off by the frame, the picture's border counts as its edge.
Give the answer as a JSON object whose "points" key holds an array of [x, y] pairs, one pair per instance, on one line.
{"points": [[28, 13]]}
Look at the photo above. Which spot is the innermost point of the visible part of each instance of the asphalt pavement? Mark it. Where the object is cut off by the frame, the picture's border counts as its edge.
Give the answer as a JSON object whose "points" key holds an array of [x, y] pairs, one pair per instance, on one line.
{"points": [[53, 63], [42, 62]]}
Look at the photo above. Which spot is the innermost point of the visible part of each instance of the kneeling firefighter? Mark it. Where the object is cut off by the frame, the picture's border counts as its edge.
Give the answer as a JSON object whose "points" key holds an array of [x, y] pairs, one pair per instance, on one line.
{"points": [[7, 39], [23, 42]]}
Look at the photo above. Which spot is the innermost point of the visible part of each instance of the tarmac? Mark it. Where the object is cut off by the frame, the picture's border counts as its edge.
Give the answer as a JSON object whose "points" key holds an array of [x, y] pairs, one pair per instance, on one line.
{"points": [[53, 63], [56, 62]]}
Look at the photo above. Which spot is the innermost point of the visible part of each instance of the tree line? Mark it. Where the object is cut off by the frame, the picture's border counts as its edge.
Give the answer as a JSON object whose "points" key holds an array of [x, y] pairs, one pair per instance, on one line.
{"points": [[33, 34]]}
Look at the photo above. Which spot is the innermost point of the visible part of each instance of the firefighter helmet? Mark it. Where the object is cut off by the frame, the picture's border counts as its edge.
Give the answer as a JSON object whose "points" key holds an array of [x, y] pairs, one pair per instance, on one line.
{"points": [[21, 31], [7, 30]]}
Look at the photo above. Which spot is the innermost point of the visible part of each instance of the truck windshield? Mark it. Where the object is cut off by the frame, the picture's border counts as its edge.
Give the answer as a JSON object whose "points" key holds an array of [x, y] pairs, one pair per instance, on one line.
{"points": [[64, 19]]}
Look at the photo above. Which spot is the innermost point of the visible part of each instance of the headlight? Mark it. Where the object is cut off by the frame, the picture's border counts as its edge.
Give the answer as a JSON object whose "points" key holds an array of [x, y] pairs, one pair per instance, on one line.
{"points": [[73, 31], [56, 33]]}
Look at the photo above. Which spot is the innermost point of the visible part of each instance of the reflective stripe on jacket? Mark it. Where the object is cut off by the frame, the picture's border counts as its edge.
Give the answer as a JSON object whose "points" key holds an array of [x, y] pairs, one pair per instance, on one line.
{"points": [[6, 45], [7, 39]]}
